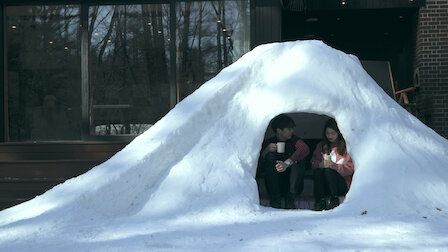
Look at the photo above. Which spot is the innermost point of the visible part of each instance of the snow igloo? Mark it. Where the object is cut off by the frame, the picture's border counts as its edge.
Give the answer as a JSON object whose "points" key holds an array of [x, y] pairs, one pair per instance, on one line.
{"points": [[201, 158]]}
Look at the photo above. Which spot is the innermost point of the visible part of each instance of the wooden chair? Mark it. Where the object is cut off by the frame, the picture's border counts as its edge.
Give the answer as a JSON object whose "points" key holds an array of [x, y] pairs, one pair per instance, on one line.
{"points": [[381, 72], [401, 96]]}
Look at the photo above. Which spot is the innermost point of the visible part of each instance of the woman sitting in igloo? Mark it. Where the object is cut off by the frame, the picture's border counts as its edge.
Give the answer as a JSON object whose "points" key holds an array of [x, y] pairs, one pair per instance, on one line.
{"points": [[333, 168]]}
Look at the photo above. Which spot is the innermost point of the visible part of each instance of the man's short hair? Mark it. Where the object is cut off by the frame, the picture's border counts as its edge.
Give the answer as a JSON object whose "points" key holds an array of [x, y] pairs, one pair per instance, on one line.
{"points": [[282, 121]]}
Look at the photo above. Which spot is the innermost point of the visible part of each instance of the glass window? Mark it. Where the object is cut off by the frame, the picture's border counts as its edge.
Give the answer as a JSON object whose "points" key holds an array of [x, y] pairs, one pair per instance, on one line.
{"points": [[210, 36], [43, 72], [129, 52]]}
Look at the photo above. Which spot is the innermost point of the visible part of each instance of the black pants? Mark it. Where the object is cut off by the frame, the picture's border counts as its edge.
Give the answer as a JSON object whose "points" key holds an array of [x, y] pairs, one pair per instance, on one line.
{"points": [[278, 183], [328, 182]]}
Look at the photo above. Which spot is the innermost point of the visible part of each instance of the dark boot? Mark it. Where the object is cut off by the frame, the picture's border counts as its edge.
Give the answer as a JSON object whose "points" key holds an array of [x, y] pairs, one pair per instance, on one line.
{"points": [[290, 201], [320, 204], [334, 202], [276, 203]]}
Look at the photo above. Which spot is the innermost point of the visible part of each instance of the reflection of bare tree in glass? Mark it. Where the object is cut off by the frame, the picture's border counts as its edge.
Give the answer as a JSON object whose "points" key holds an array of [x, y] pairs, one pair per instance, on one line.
{"points": [[205, 44], [43, 57], [200, 73], [130, 64], [185, 51], [104, 41], [220, 12], [159, 62], [130, 54]]}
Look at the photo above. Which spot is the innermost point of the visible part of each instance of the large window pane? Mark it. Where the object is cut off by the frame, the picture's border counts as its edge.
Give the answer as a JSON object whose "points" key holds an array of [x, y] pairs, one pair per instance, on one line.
{"points": [[210, 36], [43, 69], [129, 63], [129, 67]]}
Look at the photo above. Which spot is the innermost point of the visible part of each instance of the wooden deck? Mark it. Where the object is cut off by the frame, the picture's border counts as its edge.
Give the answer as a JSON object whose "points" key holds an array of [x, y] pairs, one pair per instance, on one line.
{"points": [[30, 169]]}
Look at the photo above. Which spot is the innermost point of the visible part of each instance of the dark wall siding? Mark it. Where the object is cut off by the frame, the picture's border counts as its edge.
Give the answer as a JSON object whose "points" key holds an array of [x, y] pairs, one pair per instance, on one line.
{"points": [[267, 16], [311, 5]]}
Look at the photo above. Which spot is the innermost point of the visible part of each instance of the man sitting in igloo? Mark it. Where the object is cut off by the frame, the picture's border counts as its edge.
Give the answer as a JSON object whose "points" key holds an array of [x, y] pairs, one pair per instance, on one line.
{"points": [[278, 154]]}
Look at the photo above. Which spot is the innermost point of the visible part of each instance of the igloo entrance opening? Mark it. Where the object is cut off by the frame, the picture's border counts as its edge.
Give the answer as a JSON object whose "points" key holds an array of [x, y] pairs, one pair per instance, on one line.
{"points": [[296, 185]]}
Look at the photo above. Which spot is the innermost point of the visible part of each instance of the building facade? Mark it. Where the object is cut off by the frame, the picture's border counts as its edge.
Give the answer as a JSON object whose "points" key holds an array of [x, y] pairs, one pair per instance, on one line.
{"points": [[98, 70]]}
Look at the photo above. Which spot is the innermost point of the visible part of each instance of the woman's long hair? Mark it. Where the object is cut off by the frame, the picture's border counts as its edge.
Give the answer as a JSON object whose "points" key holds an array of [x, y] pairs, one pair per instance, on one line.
{"points": [[326, 146]]}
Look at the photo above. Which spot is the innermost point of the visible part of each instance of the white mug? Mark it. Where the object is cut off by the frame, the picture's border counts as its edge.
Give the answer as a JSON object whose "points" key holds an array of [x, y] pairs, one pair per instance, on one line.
{"points": [[281, 147]]}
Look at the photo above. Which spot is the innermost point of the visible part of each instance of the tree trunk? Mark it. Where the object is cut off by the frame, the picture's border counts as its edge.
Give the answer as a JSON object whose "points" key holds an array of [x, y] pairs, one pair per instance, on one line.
{"points": [[184, 48], [105, 39], [224, 34], [219, 28], [147, 40], [201, 62]]}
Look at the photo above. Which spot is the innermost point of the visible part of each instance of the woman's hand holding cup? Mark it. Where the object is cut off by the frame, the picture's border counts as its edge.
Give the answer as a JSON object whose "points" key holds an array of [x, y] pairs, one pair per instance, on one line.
{"points": [[327, 163]]}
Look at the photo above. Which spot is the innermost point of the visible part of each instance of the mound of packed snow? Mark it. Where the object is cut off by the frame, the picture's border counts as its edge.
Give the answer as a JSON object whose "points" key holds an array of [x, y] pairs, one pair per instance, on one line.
{"points": [[188, 182]]}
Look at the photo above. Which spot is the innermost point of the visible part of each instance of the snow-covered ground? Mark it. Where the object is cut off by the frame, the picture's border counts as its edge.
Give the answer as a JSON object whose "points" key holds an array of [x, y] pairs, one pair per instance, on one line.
{"points": [[187, 184]]}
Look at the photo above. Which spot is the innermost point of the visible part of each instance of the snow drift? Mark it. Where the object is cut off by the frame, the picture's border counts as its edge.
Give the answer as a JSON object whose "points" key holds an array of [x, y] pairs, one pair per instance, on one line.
{"points": [[200, 159]]}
